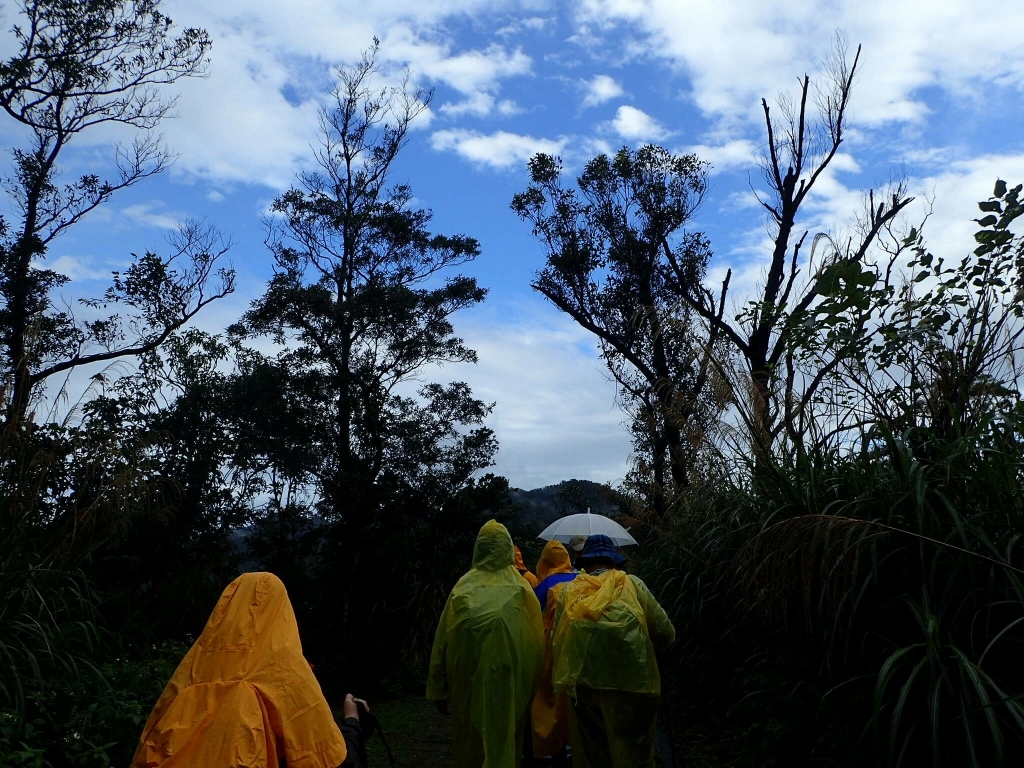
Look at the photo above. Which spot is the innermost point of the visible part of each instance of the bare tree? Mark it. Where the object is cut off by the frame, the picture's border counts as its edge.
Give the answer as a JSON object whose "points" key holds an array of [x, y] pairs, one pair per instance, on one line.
{"points": [[800, 147]]}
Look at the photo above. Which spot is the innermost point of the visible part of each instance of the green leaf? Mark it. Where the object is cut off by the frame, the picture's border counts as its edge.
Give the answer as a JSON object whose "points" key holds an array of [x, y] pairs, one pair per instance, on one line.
{"points": [[991, 206], [988, 221], [1000, 189]]}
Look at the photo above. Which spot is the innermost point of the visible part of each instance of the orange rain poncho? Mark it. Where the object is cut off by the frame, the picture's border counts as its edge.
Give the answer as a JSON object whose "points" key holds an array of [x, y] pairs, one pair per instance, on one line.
{"points": [[487, 655], [549, 711], [523, 570], [243, 695]]}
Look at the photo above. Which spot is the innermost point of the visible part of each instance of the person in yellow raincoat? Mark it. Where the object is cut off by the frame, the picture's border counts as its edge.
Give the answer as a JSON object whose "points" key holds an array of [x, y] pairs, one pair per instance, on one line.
{"points": [[245, 696], [548, 713], [487, 656], [523, 570], [607, 625]]}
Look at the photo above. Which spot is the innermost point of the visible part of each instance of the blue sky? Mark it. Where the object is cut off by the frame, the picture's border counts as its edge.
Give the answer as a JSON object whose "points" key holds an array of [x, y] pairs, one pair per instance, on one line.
{"points": [[939, 96]]}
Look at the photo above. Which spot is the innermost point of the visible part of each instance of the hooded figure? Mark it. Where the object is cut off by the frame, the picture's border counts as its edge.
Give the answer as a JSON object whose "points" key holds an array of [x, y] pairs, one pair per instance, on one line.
{"points": [[487, 655], [548, 713], [522, 569], [244, 695], [607, 625]]}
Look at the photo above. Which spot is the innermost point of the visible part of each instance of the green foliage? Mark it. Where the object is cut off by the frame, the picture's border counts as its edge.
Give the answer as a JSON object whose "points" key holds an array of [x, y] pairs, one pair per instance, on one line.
{"points": [[91, 719]]}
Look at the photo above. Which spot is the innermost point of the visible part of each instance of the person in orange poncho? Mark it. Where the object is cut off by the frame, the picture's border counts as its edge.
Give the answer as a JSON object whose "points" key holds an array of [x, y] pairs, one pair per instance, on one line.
{"points": [[523, 570], [549, 712], [245, 696]]}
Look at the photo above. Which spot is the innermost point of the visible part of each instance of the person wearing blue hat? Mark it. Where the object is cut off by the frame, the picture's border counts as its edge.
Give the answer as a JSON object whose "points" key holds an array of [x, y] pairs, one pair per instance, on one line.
{"points": [[607, 626], [599, 554]]}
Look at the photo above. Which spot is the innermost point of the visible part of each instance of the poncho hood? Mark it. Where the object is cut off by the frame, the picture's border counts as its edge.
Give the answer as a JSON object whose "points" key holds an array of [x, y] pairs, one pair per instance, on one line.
{"points": [[493, 549], [554, 559]]}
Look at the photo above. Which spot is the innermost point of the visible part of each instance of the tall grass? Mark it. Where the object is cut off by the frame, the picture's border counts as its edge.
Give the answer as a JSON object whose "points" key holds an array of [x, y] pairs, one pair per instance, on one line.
{"points": [[65, 490], [888, 584]]}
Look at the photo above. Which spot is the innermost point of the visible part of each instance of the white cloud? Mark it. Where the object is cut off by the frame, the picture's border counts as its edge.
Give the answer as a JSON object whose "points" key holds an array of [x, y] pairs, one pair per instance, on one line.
{"points": [[254, 118], [497, 150], [738, 153], [738, 51], [507, 107], [955, 192], [529, 24], [556, 416], [476, 74], [152, 214], [634, 124], [928, 156], [78, 268], [600, 89]]}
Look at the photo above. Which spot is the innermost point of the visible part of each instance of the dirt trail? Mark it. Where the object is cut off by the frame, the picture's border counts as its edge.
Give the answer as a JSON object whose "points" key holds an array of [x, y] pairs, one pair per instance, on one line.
{"points": [[418, 735], [421, 738]]}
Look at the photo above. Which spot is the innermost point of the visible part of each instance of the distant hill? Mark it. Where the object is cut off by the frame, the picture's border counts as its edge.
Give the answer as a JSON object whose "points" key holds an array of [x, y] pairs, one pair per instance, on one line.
{"points": [[542, 506]]}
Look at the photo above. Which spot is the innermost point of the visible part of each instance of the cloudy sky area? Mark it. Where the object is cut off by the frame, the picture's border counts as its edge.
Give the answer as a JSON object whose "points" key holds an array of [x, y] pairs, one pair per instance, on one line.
{"points": [[939, 98]]}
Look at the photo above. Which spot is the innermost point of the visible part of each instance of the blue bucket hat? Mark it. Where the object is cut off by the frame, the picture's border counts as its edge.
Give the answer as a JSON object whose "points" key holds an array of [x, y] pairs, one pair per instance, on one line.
{"points": [[600, 546]]}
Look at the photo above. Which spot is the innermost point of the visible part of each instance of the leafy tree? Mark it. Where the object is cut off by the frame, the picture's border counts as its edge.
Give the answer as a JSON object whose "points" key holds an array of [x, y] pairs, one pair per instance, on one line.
{"points": [[170, 564], [361, 311], [617, 251], [81, 67]]}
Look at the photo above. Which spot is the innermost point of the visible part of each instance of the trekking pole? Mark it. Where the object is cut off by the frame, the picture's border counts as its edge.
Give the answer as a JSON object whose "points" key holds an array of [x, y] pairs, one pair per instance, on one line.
{"points": [[384, 741], [371, 725]]}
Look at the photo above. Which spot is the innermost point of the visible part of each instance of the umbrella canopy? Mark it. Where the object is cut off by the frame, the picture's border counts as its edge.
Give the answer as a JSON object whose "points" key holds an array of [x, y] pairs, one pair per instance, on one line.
{"points": [[586, 524]]}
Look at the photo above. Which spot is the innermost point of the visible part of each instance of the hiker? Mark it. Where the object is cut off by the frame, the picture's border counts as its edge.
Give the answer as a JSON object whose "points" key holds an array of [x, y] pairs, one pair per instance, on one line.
{"points": [[549, 712], [245, 696], [575, 546], [607, 625], [487, 656], [522, 569], [554, 567]]}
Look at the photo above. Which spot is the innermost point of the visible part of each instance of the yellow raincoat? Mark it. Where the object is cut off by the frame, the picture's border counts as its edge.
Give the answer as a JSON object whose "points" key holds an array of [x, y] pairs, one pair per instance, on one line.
{"points": [[549, 711], [523, 570], [243, 695], [487, 655], [606, 629]]}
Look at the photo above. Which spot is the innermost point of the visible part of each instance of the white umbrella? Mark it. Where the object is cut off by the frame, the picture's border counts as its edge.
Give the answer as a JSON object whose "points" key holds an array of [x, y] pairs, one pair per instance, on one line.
{"points": [[586, 524]]}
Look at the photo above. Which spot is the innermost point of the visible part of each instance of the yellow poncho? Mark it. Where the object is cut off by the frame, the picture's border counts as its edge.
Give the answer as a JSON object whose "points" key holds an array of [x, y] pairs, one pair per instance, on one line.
{"points": [[549, 711], [606, 627], [243, 695], [487, 655]]}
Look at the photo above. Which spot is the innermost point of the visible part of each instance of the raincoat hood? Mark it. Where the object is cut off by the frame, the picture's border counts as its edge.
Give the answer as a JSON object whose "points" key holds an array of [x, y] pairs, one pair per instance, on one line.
{"points": [[493, 549], [554, 559], [244, 694]]}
